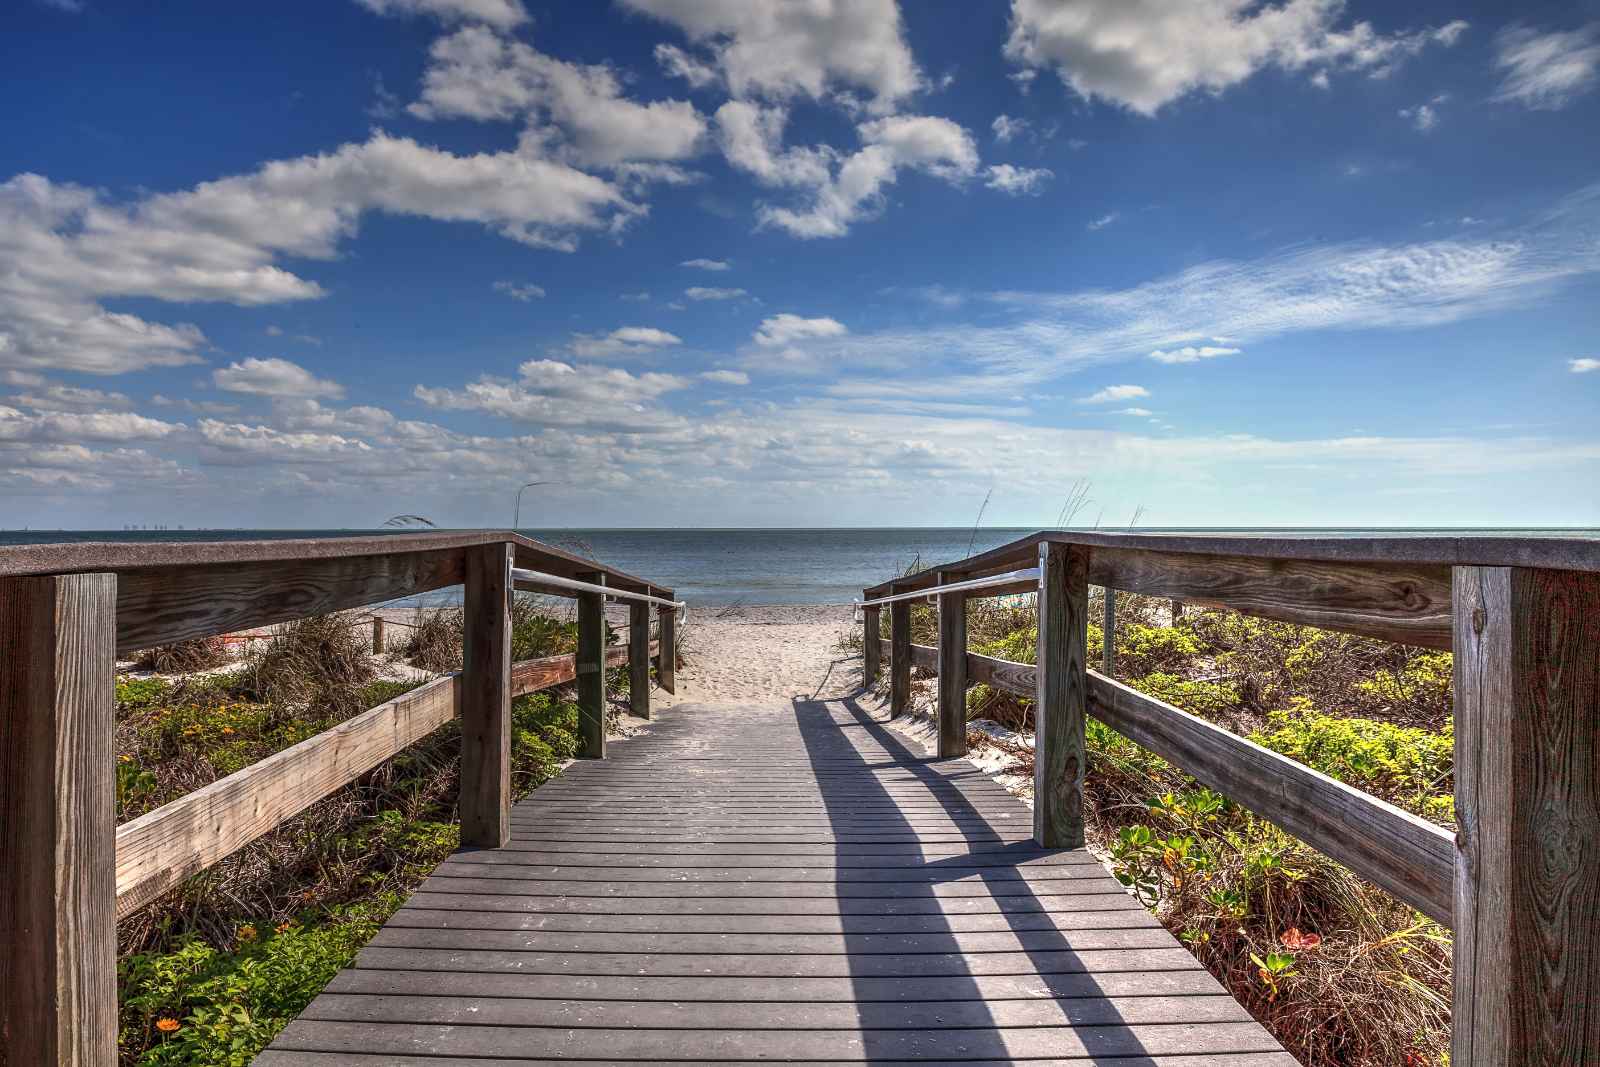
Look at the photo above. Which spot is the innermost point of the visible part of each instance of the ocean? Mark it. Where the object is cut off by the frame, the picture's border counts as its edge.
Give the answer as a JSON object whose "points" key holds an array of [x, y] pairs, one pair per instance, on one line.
{"points": [[718, 567]]}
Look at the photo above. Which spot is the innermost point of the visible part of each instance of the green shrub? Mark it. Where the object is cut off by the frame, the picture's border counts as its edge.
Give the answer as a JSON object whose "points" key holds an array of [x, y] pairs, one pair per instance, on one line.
{"points": [[1209, 700], [1148, 649], [136, 694], [1402, 763]]}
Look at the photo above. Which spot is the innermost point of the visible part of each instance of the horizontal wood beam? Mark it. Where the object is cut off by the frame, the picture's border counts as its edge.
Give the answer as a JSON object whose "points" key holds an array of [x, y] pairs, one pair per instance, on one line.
{"points": [[532, 675]]}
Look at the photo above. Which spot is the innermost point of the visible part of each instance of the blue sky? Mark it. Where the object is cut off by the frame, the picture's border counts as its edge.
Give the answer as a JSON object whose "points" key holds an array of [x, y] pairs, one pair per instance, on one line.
{"points": [[732, 262]]}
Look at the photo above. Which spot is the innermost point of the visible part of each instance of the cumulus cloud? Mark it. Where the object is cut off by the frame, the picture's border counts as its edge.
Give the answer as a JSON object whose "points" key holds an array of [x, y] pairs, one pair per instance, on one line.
{"points": [[502, 13], [1583, 365], [726, 377], [1113, 393], [791, 48], [1424, 117], [702, 292], [1018, 181], [1007, 129], [1145, 54], [241, 442], [273, 377], [624, 341], [1546, 70], [1191, 353], [73, 426], [706, 264], [521, 291], [46, 397], [787, 328], [554, 393]]}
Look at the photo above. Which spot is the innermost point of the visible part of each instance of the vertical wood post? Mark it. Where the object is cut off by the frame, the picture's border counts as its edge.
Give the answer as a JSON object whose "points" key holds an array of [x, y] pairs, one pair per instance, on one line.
{"points": [[377, 635], [1177, 610], [871, 650], [58, 889], [639, 659], [1060, 756], [667, 656], [899, 656], [485, 799], [952, 671], [1108, 635], [1527, 892], [591, 671]]}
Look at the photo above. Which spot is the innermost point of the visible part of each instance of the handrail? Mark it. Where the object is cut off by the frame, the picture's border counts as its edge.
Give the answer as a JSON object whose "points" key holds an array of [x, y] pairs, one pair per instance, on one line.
{"points": [[1030, 574], [550, 580]]}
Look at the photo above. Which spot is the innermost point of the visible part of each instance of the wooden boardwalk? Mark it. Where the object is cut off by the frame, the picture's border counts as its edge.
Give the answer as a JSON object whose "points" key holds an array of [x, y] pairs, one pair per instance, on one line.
{"points": [[790, 883]]}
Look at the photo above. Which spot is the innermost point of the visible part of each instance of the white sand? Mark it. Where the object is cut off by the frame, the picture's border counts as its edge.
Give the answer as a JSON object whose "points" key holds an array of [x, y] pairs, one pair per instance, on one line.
{"points": [[764, 652]]}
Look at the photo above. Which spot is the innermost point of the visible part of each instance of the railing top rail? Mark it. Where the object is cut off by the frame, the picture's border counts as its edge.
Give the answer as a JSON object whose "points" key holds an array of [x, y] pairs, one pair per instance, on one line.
{"points": [[73, 557], [551, 581], [1009, 578], [1576, 552]]}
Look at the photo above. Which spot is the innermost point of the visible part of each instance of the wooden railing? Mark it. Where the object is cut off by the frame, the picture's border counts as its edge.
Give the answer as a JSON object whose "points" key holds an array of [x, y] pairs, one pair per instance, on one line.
{"points": [[67, 871], [1519, 882]]}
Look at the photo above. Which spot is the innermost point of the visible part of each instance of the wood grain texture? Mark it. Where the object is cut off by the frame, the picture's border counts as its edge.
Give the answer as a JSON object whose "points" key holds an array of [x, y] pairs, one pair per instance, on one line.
{"points": [[952, 672], [1108, 633], [899, 658], [161, 848], [485, 793], [639, 659], [1527, 889], [667, 655], [871, 627], [58, 996], [1061, 689], [532, 675], [591, 672], [160, 605]]}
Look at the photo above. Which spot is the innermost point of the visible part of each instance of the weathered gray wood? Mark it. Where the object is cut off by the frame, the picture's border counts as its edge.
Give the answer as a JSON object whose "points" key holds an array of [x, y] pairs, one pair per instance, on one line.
{"points": [[532, 675], [952, 672], [1527, 885], [1060, 755], [161, 848], [58, 992], [667, 656], [639, 659], [378, 644], [485, 794], [1395, 850], [591, 672], [899, 658], [1175, 606], [1108, 633], [871, 633]]}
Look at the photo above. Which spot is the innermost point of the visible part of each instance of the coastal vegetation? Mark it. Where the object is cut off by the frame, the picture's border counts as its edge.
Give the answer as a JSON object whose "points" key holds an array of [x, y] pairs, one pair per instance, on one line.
{"points": [[1340, 971], [210, 972]]}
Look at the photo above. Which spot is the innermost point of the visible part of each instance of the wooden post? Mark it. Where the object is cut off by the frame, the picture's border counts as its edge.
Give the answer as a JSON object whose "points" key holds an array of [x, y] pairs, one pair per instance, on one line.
{"points": [[58, 892], [1177, 611], [591, 671], [1060, 754], [952, 671], [899, 656], [1108, 635], [485, 797], [377, 635], [872, 633], [667, 656], [1527, 886], [639, 659]]}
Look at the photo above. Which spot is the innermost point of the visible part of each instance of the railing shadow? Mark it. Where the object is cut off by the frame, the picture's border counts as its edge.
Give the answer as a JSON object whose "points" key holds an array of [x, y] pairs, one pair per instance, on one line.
{"points": [[1055, 970]]}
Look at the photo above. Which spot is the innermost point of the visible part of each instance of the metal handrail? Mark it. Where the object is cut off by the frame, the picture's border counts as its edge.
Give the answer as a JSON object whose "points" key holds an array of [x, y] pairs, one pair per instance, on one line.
{"points": [[557, 582], [1030, 574]]}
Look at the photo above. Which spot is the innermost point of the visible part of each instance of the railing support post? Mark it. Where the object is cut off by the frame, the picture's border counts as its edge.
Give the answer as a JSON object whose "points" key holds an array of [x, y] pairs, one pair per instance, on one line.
{"points": [[58, 986], [378, 644], [872, 634], [1060, 755], [1527, 886], [591, 670], [1108, 634], [485, 795], [667, 656], [899, 656], [639, 659], [952, 671]]}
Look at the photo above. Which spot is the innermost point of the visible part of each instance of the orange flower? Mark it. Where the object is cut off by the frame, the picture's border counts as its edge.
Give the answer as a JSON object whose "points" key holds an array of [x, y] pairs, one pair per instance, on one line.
{"points": [[167, 1026], [284, 928], [1292, 938], [247, 933]]}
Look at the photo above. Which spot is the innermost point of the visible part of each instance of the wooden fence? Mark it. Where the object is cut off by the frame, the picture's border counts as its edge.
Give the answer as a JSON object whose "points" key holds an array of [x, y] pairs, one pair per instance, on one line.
{"points": [[68, 611], [1519, 882]]}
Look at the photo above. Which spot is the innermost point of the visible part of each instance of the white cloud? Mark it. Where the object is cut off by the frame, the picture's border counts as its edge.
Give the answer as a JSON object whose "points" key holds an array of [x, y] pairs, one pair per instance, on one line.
{"points": [[1007, 129], [232, 441], [71, 398], [576, 111], [1583, 365], [705, 264], [786, 328], [1112, 393], [624, 341], [751, 139], [522, 291], [701, 292], [74, 426], [1103, 221], [1141, 412], [554, 393], [502, 13], [274, 378], [1144, 54], [727, 377], [793, 48], [1191, 353], [1424, 116], [1018, 181], [1547, 70], [677, 63], [637, 298]]}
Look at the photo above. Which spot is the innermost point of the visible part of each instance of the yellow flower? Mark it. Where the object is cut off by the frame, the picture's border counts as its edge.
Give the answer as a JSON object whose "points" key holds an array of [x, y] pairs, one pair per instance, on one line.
{"points": [[124, 758], [167, 1026], [227, 729], [247, 933]]}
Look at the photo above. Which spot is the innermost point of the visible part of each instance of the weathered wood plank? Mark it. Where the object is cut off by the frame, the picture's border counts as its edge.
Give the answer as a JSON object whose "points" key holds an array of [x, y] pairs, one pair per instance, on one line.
{"points": [[590, 668], [871, 629], [667, 654], [639, 659], [952, 673], [1527, 874], [58, 993], [899, 658], [1060, 753], [532, 675], [158, 850], [485, 703], [1108, 632]]}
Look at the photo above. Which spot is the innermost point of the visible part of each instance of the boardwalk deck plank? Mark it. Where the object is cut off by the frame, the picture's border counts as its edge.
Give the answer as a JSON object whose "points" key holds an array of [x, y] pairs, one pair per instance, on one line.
{"points": [[772, 883]]}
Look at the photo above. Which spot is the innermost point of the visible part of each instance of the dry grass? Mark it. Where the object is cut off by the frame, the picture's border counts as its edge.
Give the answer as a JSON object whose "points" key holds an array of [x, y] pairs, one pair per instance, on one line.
{"points": [[183, 657]]}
